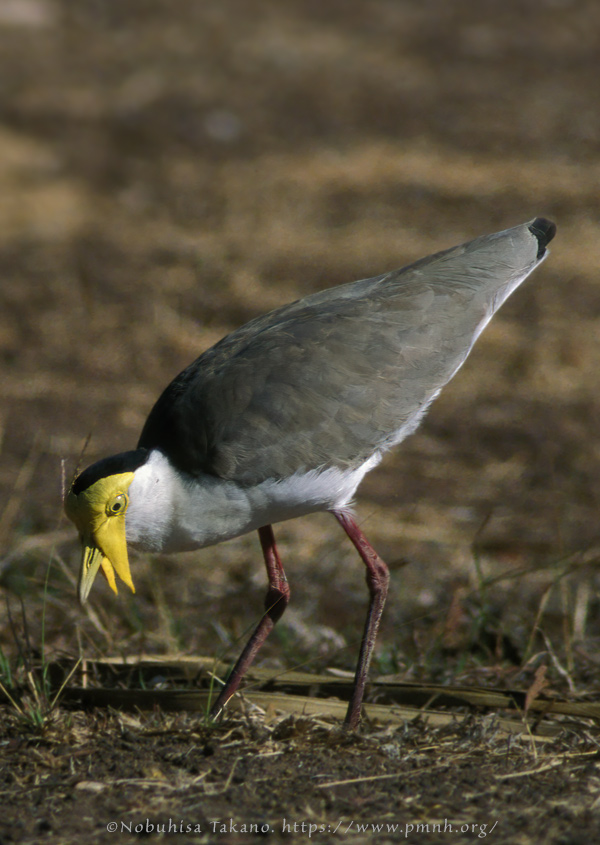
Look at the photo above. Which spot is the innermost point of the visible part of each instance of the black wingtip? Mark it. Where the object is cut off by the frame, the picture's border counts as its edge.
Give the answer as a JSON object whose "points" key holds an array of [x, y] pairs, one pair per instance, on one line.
{"points": [[544, 230]]}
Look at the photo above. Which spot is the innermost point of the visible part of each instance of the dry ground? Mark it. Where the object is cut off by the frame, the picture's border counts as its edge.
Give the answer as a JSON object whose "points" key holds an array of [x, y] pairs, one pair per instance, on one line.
{"points": [[170, 170]]}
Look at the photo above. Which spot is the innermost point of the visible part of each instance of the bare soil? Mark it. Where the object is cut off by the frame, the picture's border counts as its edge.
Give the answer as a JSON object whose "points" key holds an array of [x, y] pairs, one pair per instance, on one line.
{"points": [[167, 172]]}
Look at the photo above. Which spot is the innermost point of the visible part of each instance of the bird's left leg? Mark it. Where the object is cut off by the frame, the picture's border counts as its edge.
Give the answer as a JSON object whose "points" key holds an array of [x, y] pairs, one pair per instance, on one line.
{"points": [[378, 578], [276, 601]]}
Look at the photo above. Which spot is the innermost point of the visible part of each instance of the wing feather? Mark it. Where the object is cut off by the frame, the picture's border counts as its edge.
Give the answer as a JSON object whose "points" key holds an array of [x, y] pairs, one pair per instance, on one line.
{"points": [[328, 380]]}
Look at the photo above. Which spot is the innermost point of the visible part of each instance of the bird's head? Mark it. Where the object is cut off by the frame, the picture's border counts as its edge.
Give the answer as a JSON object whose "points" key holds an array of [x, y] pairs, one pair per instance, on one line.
{"points": [[97, 504]]}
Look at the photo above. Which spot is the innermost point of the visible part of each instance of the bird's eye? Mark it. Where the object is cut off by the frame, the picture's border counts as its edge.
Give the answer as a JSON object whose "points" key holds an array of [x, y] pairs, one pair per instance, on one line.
{"points": [[117, 505]]}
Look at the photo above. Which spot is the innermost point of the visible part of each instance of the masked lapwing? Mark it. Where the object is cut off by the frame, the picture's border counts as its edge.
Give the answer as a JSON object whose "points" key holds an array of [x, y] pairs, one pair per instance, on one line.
{"points": [[286, 415]]}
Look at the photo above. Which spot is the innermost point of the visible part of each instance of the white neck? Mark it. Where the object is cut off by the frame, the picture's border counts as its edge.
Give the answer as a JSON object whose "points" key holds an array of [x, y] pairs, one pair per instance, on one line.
{"points": [[170, 512]]}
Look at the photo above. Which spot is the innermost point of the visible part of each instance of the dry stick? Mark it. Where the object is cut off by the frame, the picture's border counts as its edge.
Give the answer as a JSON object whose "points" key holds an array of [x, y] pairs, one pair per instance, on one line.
{"points": [[16, 497], [11, 699]]}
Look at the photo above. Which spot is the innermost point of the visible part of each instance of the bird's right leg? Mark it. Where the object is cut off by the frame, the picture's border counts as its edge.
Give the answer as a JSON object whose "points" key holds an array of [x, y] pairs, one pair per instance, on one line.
{"points": [[378, 579], [276, 601]]}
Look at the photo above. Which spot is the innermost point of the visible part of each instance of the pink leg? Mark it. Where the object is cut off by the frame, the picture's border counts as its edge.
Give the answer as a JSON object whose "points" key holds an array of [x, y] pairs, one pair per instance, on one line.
{"points": [[378, 578], [276, 601]]}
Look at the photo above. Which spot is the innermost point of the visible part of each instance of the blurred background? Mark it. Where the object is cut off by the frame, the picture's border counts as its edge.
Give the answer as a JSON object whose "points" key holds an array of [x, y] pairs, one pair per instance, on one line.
{"points": [[169, 170]]}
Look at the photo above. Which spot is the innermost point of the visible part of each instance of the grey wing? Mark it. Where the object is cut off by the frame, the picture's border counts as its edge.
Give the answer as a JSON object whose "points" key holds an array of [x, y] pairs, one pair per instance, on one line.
{"points": [[330, 379]]}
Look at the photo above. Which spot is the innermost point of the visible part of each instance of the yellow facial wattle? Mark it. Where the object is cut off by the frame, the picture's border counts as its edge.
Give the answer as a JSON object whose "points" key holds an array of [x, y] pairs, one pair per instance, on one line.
{"points": [[98, 513]]}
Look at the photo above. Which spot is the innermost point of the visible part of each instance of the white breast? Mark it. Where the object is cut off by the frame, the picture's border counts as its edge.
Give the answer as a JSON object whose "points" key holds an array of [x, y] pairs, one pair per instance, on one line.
{"points": [[171, 512]]}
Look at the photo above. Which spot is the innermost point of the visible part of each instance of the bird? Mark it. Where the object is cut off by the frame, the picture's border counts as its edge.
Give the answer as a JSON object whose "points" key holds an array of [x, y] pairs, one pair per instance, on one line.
{"points": [[284, 417]]}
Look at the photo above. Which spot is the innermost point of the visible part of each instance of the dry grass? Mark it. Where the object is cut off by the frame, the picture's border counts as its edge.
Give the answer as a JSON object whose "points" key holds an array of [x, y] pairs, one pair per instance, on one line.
{"points": [[166, 175]]}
